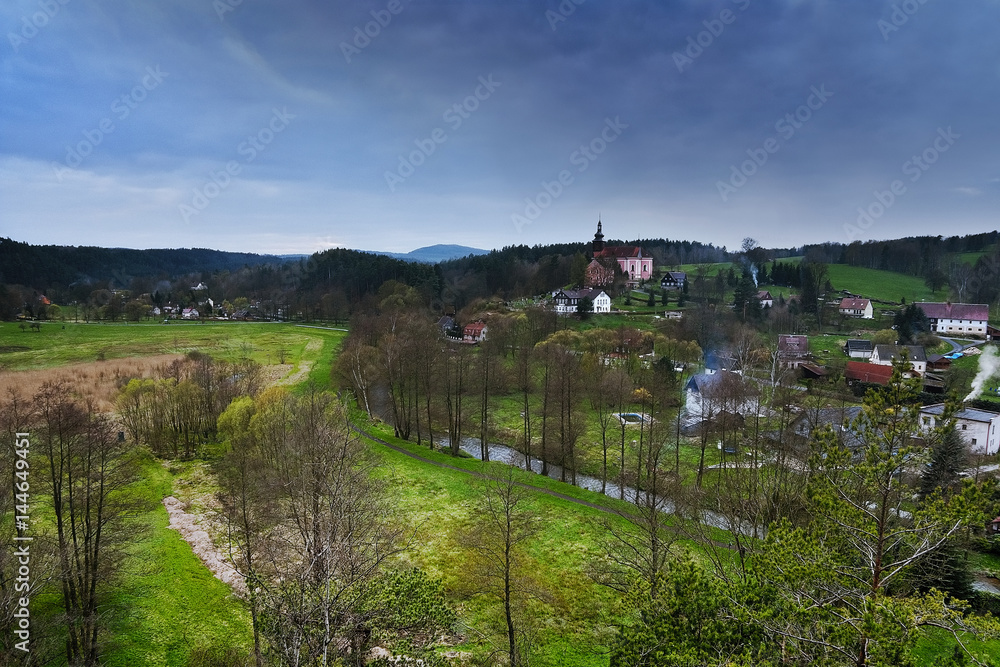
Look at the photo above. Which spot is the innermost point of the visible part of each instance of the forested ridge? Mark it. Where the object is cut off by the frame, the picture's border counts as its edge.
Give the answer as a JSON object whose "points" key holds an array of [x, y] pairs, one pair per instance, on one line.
{"points": [[332, 283]]}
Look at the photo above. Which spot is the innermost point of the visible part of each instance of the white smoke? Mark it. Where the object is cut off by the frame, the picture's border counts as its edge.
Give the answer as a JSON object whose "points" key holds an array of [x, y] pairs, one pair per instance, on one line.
{"points": [[989, 365], [753, 272]]}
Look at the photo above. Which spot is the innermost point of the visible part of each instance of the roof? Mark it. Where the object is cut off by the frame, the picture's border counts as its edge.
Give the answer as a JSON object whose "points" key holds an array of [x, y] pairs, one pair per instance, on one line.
{"points": [[678, 276], [851, 303], [703, 382], [968, 414], [837, 418], [474, 328], [619, 251], [792, 343], [764, 295], [720, 361], [865, 372], [956, 311], [915, 353], [860, 345], [579, 293], [814, 369]]}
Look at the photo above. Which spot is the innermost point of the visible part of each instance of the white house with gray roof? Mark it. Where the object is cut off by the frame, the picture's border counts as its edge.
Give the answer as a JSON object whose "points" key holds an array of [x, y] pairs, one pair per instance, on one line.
{"points": [[980, 428]]}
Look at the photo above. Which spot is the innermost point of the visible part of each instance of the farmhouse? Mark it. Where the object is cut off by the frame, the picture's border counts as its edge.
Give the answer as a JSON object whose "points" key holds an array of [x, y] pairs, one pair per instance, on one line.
{"points": [[567, 301], [963, 319], [765, 298], [980, 428], [633, 261], [673, 280], [885, 355], [854, 307], [189, 314]]}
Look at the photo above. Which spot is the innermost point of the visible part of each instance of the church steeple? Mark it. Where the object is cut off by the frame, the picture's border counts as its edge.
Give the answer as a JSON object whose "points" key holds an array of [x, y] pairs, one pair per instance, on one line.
{"points": [[598, 238]]}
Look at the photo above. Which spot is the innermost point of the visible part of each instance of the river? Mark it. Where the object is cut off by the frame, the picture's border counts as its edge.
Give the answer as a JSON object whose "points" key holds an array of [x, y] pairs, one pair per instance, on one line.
{"points": [[511, 456]]}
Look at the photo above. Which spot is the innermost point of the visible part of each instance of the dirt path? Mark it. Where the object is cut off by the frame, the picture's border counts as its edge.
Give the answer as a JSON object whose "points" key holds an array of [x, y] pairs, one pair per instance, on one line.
{"points": [[189, 526], [315, 345]]}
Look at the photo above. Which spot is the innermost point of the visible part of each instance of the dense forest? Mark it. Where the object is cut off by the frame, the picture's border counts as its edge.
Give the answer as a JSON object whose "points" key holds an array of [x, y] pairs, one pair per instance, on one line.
{"points": [[334, 283]]}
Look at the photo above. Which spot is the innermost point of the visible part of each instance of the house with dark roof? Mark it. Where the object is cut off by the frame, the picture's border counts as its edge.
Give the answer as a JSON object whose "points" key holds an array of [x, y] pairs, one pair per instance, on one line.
{"points": [[885, 355], [446, 324], [957, 319], [855, 307], [858, 348], [718, 401], [793, 350], [673, 280], [801, 431], [765, 298], [979, 428], [567, 301]]}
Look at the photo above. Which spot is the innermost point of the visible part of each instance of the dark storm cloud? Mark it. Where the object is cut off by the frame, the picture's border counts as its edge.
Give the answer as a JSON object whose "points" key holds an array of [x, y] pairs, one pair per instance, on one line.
{"points": [[391, 140]]}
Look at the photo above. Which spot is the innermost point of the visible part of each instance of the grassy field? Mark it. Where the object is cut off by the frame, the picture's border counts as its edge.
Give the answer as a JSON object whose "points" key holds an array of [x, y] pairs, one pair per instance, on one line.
{"points": [[58, 343], [174, 606], [882, 285]]}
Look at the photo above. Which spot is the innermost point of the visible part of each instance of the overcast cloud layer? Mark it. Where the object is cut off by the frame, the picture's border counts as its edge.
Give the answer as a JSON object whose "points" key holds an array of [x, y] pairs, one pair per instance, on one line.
{"points": [[296, 126]]}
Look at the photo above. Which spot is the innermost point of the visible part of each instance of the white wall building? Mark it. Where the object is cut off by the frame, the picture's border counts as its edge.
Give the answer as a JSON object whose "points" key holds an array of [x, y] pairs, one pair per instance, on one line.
{"points": [[851, 307], [980, 428], [958, 319], [566, 301]]}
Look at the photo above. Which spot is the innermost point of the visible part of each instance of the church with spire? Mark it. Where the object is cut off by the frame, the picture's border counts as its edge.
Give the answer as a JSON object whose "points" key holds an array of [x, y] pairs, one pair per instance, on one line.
{"points": [[632, 261]]}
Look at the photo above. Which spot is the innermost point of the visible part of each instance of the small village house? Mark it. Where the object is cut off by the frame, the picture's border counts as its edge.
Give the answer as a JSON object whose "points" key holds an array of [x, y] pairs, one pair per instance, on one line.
{"points": [[793, 350], [475, 332], [673, 280], [885, 355], [856, 307], [858, 348], [765, 298], [979, 428]]}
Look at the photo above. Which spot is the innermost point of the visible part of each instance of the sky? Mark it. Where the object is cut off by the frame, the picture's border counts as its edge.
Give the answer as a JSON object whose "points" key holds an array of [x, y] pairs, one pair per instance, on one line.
{"points": [[297, 126]]}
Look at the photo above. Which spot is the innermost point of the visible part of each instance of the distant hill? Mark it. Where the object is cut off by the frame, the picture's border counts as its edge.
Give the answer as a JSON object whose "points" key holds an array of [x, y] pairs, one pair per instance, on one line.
{"points": [[433, 254]]}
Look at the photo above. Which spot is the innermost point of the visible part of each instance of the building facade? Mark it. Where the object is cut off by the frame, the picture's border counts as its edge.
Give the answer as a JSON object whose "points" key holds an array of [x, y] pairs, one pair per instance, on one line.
{"points": [[959, 319], [633, 261]]}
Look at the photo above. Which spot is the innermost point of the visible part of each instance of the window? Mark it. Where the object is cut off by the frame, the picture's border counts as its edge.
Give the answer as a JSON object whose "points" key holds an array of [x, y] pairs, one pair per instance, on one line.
{"points": [[973, 441], [965, 427]]}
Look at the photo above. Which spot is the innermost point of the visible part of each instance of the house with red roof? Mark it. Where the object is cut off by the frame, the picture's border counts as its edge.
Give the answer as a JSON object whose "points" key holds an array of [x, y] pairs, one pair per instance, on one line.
{"points": [[475, 332], [855, 307], [957, 319], [859, 371]]}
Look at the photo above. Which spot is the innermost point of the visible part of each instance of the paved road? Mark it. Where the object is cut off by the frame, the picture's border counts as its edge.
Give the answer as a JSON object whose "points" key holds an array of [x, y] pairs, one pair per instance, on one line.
{"points": [[957, 346]]}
